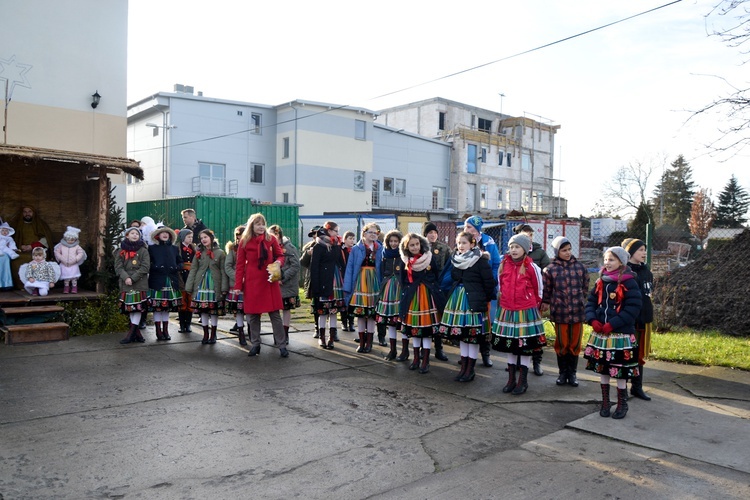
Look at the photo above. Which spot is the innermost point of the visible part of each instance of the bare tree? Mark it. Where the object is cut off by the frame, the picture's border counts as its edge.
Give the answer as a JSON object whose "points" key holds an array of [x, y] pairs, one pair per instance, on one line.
{"points": [[629, 187], [702, 214]]}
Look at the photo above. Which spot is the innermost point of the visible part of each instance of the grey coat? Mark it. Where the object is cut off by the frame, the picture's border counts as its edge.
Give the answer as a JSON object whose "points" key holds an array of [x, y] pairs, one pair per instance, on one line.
{"points": [[290, 270], [204, 263], [135, 268]]}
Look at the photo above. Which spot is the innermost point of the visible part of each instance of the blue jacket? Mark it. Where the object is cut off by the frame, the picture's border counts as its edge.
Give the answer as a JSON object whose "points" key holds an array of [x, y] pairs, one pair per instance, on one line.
{"points": [[488, 245], [356, 257], [604, 306]]}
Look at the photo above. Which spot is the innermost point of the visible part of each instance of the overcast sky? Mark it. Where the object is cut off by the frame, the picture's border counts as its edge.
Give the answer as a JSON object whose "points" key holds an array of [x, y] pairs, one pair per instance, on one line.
{"points": [[621, 94]]}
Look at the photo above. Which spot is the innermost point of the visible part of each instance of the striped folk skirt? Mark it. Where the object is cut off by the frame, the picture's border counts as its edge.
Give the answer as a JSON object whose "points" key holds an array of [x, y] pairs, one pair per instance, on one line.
{"points": [[133, 301], [366, 293], [234, 301], [459, 322], [205, 299], [335, 302], [615, 354], [518, 332], [167, 299], [387, 309], [421, 319]]}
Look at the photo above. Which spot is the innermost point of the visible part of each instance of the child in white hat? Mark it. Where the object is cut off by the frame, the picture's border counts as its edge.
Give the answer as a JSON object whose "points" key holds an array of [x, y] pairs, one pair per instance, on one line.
{"points": [[70, 255]]}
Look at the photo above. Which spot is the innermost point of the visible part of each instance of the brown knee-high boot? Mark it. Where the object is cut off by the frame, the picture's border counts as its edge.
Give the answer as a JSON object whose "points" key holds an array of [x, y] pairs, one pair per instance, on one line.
{"points": [[212, 340], [392, 353], [362, 337], [205, 334], [464, 366], [622, 403], [165, 330], [604, 410], [415, 362], [404, 356], [157, 327]]}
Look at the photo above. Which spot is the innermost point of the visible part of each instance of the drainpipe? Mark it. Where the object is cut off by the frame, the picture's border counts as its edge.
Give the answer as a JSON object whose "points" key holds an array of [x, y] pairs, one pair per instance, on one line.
{"points": [[295, 151]]}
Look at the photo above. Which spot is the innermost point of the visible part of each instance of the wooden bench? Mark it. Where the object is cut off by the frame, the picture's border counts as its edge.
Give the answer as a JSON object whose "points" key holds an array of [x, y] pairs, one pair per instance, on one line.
{"points": [[36, 332]]}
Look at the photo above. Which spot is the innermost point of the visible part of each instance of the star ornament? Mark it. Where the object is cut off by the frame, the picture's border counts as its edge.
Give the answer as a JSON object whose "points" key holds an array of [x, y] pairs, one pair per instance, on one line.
{"points": [[14, 73]]}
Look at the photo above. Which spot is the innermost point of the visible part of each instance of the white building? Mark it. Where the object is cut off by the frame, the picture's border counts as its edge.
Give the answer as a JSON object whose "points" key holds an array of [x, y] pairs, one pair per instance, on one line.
{"points": [[499, 163]]}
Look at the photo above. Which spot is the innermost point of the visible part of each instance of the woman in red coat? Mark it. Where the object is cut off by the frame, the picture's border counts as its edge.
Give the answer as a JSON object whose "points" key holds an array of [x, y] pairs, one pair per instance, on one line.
{"points": [[257, 250]]}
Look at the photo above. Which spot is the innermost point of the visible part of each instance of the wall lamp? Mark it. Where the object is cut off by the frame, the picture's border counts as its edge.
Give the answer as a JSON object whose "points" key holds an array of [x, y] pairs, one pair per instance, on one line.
{"points": [[95, 98]]}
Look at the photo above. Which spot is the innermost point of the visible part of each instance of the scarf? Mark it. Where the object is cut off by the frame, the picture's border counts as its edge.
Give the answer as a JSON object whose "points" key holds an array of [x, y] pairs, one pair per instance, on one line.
{"points": [[129, 249], [262, 251], [466, 260], [65, 243], [612, 277], [390, 253], [208, 252], [415, 264]]}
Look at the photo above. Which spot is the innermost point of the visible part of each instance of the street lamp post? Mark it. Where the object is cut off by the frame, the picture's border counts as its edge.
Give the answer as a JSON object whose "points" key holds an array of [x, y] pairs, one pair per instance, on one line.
{"points": [[165, 128]]}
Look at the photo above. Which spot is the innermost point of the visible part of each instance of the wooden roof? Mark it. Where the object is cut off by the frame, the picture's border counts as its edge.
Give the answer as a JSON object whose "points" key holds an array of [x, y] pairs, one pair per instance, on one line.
{"points": [[28, 155]]}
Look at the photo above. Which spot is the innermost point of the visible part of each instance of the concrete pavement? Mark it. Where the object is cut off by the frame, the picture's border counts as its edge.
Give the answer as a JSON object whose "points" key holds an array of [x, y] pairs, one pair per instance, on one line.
{"points": [[89, 418]]}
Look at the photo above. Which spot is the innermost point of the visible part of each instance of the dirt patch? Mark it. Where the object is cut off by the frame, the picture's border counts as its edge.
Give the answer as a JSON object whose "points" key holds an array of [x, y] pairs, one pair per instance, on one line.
{"points": [[711, 291]]}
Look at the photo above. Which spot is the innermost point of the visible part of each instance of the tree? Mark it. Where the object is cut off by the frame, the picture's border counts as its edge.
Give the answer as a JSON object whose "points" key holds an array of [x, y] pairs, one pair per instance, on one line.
{"points": [[630, 184], [637, 227], [733, 204], [674, 194], [702, 214]]}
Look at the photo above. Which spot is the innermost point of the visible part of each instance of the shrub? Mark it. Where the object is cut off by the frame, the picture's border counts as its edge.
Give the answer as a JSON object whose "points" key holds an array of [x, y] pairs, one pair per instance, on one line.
{"points": [[92, 317]]}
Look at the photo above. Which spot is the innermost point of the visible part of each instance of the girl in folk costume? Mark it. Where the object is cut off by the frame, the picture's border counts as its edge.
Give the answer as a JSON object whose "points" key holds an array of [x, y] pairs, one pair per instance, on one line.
{"points": [[164, 279], [421, 297], [259, 261], [387, 313], [132, 263], [207, 283], [70, 255], [326, 282], [387, 310], [347, 320], [235, 297], [289, 278], [361, 285], [637, 250], [466, 315], [611, 310], [566, 283], [187, 252], [518, 328]]}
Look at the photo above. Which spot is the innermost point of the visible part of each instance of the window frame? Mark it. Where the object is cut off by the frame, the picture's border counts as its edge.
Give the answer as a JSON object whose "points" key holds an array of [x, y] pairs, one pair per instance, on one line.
{"points": [[251, 173]]}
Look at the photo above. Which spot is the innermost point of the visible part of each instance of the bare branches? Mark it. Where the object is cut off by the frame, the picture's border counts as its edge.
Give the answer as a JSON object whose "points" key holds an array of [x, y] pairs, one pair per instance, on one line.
{"points": [[629, 187]]}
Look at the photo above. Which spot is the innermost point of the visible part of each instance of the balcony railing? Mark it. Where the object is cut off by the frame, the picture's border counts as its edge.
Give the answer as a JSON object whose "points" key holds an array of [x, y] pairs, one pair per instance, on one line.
{"points": [[215, 187], [416, 203]]}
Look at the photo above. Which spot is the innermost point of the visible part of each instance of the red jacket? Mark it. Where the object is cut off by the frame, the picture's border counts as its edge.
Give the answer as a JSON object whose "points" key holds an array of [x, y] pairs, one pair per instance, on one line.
{"points": [[519, 291], [260, 296]]}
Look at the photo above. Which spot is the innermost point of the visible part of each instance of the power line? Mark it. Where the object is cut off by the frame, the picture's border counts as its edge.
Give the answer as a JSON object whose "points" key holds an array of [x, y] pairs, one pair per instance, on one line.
{"points": [[445, 77]]}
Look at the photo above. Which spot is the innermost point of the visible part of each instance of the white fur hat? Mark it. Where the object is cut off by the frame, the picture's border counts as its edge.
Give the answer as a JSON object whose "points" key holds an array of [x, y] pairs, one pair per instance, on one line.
{"points": [[5, 225], [71, 232]]}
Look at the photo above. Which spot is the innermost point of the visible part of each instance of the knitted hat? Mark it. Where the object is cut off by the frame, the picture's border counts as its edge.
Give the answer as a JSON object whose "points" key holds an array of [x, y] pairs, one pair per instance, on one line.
{"points": [[558, 243], [476, 222], [620, 253], [632, 245], [183, 234], [313, 231], [71, 232], [128, 229], [430, 226], [522, 241], [163, 229], [5, 225]]}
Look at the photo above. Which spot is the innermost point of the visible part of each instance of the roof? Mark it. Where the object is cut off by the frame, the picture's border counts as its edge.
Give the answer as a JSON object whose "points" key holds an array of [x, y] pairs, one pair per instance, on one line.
{"points": [[38, 155]]}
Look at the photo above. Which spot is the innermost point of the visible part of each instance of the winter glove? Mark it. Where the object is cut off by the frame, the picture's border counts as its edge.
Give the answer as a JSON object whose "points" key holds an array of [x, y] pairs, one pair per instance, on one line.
{"points": [[607, 328], [597, 326]]}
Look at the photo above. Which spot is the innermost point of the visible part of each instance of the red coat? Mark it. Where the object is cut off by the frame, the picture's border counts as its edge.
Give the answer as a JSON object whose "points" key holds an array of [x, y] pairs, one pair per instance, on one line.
{"points": [[260, 296], [519, 291]]}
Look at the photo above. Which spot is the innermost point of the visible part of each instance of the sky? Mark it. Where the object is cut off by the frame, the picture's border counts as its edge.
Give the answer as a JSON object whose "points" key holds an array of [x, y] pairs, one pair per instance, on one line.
{"points": [[623, 94]]}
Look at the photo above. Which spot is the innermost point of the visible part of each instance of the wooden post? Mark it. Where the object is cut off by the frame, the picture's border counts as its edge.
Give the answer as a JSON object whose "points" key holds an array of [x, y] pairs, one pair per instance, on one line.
{"points": [[103, 203]]}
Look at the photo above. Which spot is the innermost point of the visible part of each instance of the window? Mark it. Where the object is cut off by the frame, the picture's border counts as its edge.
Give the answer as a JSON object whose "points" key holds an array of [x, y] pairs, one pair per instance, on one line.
{"points": [[441, 120], [471, 159], [210, 179], [485, 125], [471, 197], [359, 130], [400, 187], [255, 123], [285, 147], [483, 155], [508, 163], [388, 185], [525, 199], [211, 171], [376, 192], [500, 198], [359, 180], [525, 161], [500, 158], [438, 198], [483, 196], [538, 201], [285, 197], [239, 113], [256, 174]]}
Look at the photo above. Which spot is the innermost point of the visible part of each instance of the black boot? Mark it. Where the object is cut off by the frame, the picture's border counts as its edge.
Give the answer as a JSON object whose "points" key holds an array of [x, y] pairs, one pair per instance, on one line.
{"points": [[622, 404], [157, 327], [381, 334], [286, 334], [464, 365], [205, 335], [604, 410], [439, 354], [165, 330], [536, 358], [130, 336], [322, 338], [636, 388], [425, 366], [392, 353], [415, 362], [511, 379], [235, 327], [188, 321], [522, 384], [212, 340], [241, 335], [183, 326], [404, 356], [484, 349], [334, 335], [368, 341], [562, 365], [469, 375], [572, 369], [361, 347]]}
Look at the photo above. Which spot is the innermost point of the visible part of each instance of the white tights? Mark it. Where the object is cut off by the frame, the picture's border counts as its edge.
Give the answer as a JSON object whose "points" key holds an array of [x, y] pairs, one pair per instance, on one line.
{"points": [[469, 350], [205, 318], [525, 360], [391, 332], [135, 318], [330, 318], [621, 382], [424, 343], [161, 316], [365, 324]]}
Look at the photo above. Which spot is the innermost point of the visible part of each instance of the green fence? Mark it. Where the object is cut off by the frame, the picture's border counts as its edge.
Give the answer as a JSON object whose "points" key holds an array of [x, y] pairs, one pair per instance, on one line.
{"points": [[221, 215]]}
